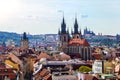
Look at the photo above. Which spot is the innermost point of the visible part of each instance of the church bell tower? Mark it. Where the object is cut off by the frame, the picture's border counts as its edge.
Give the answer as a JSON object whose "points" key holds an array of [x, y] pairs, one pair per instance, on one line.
{"points": [[63, 37], [76, 33], [24, 41]]}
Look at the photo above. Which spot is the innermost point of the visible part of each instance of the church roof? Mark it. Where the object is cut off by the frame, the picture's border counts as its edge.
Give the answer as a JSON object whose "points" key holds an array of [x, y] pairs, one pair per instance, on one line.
{"points": [[78, 41]]}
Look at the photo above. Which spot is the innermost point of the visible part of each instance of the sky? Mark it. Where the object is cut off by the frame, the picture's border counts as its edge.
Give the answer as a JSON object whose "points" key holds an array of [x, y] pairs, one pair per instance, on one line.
{"points": [[45, 16]]}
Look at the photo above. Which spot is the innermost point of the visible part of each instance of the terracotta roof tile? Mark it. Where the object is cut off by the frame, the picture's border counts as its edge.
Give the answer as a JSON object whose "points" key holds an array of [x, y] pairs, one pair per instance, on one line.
{"points": [[97, 55], [2, 65], [14, 58], [44, 55], [47, 77], [64, 56], [82, 42], [61, 56], [43, 72]]}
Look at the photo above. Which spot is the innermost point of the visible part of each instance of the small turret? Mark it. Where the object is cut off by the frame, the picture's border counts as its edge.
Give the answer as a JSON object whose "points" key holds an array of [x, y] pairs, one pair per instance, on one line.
{"points": [[80, 33], [59, 31], [72, 31], [67, 31]]}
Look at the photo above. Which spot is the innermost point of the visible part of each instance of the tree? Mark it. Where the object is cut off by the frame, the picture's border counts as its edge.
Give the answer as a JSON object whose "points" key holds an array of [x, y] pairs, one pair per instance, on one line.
{"points": [[29, 69], [84, 69]]}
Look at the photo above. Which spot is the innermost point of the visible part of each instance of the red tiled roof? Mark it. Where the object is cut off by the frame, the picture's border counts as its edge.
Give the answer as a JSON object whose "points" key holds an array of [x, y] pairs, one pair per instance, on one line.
{"points": [[64, 56], [43, 55], [43, 72], [3, 57], [2, 65], [97, 55], [56, 56], [8, 71], [90, 77], [14, 58], [47, 77], [82, 42]]}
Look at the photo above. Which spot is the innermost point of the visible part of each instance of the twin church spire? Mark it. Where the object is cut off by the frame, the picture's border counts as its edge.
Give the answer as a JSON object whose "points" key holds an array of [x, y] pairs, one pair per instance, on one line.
{"points": [[64, 31]]}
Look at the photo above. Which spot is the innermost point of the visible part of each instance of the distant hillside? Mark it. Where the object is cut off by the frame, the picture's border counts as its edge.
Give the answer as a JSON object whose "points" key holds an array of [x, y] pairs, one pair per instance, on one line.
{"points": [[50, 39], [9, 37]]}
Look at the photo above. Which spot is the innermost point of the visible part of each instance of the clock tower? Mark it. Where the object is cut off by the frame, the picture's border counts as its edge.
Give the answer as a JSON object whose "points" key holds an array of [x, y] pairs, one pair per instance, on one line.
{"points": [[24, 41]]}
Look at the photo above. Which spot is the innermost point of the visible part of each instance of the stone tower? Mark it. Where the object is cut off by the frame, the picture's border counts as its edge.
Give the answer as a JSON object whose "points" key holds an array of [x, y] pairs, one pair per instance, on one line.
{"points": [[63, 37], [76, 34], [24, 41]]}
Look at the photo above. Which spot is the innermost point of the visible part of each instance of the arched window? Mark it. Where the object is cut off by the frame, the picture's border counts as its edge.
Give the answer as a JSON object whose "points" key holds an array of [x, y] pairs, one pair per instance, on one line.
{"points": [[77, 36], [64, 38]]}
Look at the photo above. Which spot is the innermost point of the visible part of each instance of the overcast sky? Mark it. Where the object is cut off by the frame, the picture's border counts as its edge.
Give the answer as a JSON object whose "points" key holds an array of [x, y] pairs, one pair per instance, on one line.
{"points": [[45, 16]]}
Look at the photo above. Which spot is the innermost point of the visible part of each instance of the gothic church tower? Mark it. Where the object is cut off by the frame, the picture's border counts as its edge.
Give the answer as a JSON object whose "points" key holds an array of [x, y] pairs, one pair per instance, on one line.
{"points": [[64, 37], [24, 41], [76, 34]]}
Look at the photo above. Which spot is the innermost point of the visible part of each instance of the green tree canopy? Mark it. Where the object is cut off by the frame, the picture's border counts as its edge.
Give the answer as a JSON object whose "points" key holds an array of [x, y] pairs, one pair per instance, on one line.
{"points": [[84, 69]]}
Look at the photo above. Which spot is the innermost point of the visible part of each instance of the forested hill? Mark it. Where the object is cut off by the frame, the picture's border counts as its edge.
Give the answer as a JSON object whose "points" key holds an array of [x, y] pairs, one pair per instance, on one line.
{"points": [[9, 37], [6, 36]]}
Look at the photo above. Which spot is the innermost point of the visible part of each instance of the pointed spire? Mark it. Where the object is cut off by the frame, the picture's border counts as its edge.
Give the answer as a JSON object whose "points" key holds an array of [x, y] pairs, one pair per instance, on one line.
{"points": [[76, 26], [86, 28], [25, 36], [76, 18], [63, 20], [68, 30], [59, 31], [80, 33], [63, 26], [72, 31]]}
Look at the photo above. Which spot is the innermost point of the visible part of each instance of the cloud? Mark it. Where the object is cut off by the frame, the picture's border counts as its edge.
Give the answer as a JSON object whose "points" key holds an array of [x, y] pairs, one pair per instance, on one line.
{"points": [[84, 16], [38, 15]]}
